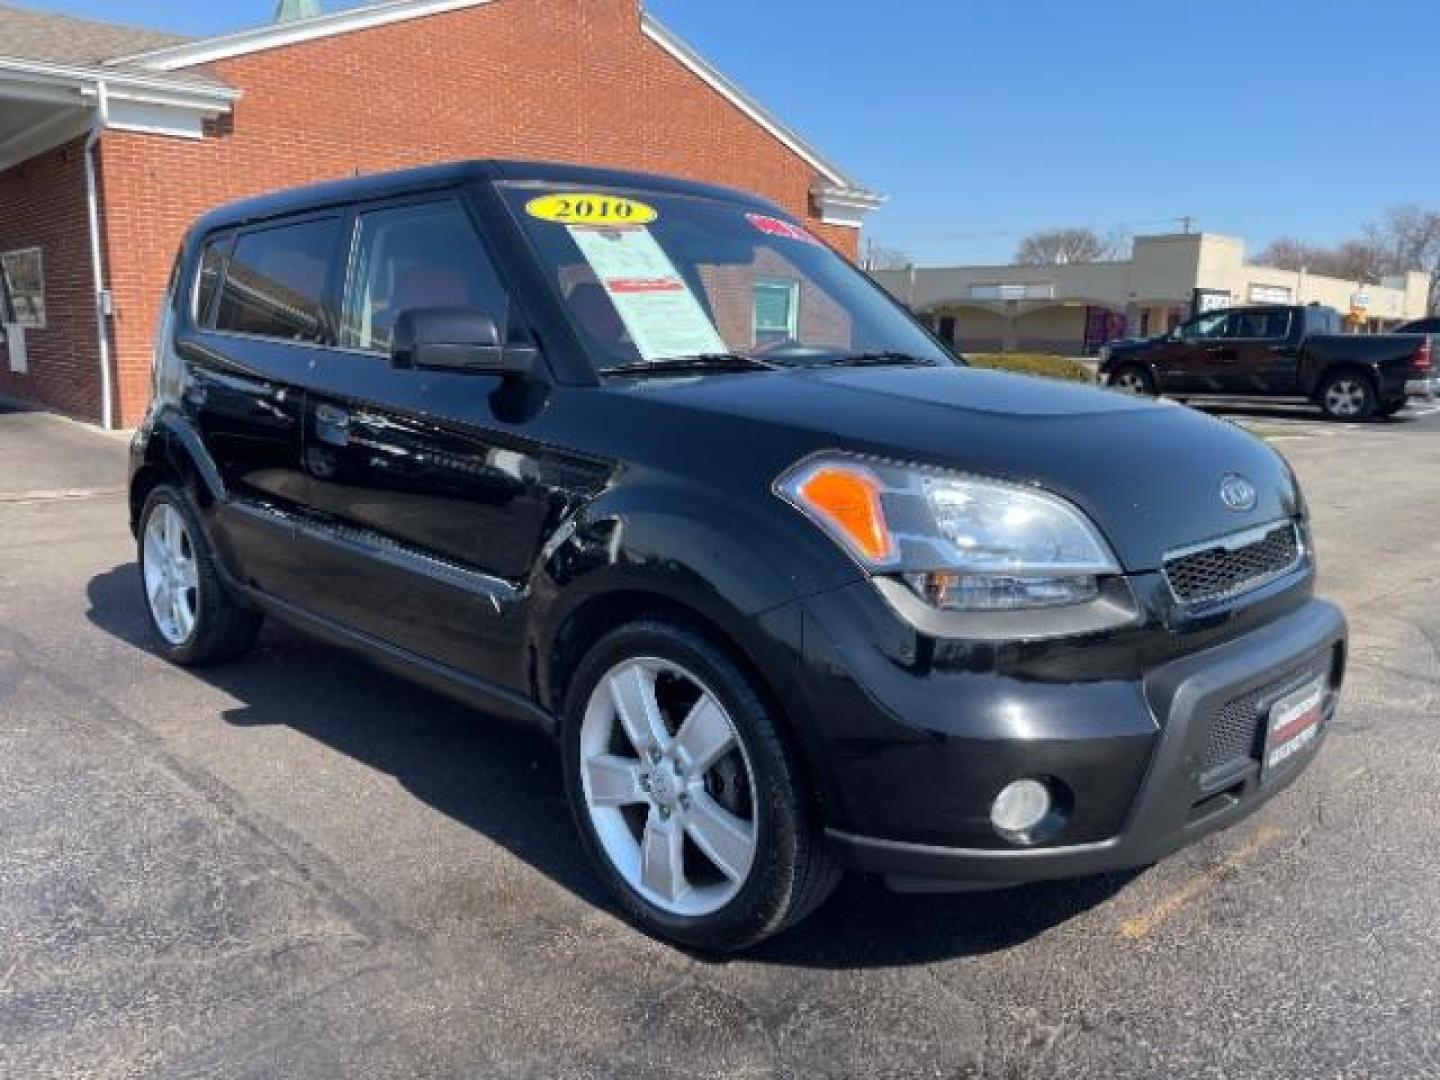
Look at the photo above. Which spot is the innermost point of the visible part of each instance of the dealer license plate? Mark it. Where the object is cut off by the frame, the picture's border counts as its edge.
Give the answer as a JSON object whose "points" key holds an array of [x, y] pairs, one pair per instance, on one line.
{"points": [[1294, 724]]}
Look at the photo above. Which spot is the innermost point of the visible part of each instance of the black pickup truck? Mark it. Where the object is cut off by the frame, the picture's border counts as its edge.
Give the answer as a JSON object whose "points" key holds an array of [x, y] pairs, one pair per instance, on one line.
{"points": [[1285, 352]]}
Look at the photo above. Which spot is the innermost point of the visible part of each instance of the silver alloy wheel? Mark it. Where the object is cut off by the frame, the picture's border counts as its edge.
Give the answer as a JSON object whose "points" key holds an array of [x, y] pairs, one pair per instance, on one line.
{"points": [[1344, 397], [665, 798], [1132, 382], [172, 582]]}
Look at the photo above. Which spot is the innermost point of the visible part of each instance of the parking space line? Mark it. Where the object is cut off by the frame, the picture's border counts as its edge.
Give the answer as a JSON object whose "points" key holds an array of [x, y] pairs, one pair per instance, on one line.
{"points": [[55, 494], [1144, 924]]}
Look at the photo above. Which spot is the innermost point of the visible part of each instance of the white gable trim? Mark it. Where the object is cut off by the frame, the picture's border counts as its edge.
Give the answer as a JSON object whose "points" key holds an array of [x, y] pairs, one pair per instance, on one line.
{"points": [[244, 42], [676, 46]]}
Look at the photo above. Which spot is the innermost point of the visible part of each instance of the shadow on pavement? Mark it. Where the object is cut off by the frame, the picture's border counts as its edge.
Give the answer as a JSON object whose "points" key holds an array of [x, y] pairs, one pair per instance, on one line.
{"points": [[504, 781], [1294, 413]]}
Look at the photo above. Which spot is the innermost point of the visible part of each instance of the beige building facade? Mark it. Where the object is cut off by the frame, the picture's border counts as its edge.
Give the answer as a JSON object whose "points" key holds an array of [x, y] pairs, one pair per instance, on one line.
{"points": [[1075, 308]]}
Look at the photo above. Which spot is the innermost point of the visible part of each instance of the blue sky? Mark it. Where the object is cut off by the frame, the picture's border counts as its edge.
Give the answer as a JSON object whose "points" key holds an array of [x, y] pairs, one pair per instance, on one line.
{"points": [[983, 121]]}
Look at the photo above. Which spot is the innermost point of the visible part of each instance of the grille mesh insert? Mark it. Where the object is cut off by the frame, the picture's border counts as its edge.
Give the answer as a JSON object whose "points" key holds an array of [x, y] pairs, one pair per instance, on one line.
{"points": [[1238, 727], [1217, 572]]}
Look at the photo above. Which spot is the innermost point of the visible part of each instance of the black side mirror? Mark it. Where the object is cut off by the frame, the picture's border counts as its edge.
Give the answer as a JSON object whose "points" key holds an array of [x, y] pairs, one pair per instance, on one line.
{"points": [[457, 339]]}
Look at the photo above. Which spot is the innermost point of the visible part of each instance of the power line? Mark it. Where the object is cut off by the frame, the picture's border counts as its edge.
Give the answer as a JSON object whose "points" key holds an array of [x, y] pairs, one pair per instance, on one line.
{"points": [[1187, 221]]}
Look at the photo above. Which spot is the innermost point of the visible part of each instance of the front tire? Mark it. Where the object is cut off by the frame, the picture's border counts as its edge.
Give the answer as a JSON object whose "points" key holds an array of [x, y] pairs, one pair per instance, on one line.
{"points": [[1348, 396], [687, 798], [193, 620], [1134, 379]]}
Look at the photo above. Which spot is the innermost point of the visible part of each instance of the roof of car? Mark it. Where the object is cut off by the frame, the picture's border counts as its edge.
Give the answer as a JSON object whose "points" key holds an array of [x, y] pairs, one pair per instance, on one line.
{"points": [[454, 174]]}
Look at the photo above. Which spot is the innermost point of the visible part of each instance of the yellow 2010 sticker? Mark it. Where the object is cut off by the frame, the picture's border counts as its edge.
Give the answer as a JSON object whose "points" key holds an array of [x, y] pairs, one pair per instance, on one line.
{"points": [[590, 208]]}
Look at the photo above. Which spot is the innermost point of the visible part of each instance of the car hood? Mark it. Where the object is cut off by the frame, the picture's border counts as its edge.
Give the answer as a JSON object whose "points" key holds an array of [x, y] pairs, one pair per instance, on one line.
{"points": [[1147, 473]]}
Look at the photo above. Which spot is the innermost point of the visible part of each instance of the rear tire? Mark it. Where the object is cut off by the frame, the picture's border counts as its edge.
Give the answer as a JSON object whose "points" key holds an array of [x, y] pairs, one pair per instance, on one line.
{"points": [[1348, 396], [1134, 379], [687, 799], [192, 619]]}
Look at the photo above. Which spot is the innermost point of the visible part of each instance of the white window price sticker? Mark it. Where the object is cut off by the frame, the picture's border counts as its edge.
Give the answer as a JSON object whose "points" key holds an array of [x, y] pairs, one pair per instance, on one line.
{"points": [[660, 312]]}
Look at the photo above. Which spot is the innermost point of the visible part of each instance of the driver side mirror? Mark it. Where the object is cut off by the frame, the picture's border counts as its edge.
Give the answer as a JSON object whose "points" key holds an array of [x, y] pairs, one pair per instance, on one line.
{"points": [[457, 339]]}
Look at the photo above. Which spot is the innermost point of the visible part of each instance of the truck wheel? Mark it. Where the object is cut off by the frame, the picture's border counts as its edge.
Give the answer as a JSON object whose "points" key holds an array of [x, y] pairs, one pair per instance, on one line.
{"points": [[687, 799], [1134, 379], [193, 620], [1347, 396]]}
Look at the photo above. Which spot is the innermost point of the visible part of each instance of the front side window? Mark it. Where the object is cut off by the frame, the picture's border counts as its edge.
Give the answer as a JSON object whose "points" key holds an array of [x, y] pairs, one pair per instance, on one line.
{"points": [[649, 277], [414, 257], [275, 282], [1211, 325]]}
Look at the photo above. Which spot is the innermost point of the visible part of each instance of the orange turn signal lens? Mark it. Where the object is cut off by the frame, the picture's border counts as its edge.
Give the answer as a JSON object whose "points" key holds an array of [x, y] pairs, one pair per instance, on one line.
{"points": [[848, 499]]}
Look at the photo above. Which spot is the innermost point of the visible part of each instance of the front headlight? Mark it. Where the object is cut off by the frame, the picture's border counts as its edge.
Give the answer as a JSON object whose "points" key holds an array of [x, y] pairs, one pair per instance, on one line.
{"points": [[960, 542]]}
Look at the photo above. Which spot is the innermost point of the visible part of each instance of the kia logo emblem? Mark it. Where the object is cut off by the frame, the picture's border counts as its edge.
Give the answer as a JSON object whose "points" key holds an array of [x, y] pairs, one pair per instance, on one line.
{"points": [[1237, 493]]}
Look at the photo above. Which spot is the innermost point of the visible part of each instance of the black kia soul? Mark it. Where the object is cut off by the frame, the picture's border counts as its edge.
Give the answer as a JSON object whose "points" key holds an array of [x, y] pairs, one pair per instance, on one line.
{"points": [[644, 462]]}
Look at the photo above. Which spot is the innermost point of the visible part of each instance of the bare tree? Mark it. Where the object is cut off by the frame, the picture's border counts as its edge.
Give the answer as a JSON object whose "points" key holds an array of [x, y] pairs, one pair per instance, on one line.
{"points": [[1408, 238], [882, 257], [1363, 258], [1068, 245], [1287, 253]]}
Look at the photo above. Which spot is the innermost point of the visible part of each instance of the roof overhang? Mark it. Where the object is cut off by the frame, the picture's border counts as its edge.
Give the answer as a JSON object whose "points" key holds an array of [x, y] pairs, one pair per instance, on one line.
{"points": [[276, 35], [844, 206], [44, 105]]}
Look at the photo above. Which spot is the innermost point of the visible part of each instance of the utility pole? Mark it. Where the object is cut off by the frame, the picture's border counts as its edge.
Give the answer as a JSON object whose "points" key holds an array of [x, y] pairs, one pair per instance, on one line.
{"points": [[1187, 221]]}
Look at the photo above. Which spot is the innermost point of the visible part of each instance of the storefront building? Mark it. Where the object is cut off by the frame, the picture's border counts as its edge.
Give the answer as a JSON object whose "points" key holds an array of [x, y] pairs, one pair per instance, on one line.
{"points": [[1075, 308], [114, 139]]}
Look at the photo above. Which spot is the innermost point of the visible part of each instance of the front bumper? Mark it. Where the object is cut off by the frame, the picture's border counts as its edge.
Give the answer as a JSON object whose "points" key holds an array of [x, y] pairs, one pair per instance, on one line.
{"points": [[1137, 754]]}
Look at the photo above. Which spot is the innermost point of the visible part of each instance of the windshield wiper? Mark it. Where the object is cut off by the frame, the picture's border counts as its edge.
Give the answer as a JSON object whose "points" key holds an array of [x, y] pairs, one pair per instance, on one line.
{"points": [[878, 358], [699, 362]]}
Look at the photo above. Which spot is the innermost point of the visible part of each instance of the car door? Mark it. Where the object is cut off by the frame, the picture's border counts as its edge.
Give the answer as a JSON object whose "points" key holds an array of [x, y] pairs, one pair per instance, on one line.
{"points": [[1267, 354], [1184, 358], [259, 321], [428, 508]]}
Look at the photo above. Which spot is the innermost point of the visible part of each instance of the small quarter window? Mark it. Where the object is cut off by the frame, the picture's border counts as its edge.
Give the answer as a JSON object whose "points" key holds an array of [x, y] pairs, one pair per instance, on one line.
{"points": [[275, 282], [207, 280], [413, 257]]}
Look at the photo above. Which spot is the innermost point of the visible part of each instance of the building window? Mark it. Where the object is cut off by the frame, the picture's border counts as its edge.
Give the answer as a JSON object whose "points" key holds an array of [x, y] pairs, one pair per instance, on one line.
{"points": [[777, 311], [1033, 291], [24, 291]]}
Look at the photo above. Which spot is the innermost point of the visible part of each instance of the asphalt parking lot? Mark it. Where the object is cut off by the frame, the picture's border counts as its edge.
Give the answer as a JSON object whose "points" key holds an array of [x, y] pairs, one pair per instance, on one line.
{"points": [[299, 866]]}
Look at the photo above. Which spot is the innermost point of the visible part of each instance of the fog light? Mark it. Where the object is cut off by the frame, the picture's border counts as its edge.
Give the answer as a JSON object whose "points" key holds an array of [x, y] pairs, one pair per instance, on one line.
{"points": [[1020, 808]]}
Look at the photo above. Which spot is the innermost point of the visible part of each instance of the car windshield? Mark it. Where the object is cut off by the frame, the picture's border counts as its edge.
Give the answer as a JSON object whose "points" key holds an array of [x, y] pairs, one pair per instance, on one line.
{"points": [[662, 280]]}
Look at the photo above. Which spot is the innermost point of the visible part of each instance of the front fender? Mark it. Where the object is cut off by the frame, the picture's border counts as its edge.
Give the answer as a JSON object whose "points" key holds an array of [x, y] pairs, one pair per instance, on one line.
{"points": [[739, 569]]}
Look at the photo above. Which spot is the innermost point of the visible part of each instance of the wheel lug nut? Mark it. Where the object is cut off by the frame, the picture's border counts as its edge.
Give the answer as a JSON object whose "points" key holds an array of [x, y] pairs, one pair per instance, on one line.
{"points": [[655, 755], [664, 813]]}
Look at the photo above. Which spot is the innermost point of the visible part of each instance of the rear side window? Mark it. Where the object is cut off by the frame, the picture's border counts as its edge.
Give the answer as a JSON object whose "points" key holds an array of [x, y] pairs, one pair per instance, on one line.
{"points": [[412, 257], [1260, 324], [275, 282]]}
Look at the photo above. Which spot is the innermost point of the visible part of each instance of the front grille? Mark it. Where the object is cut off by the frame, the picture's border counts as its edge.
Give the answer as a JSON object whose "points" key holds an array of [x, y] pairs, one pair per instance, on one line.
{"points": [[1233, 565], [1238, 728]]}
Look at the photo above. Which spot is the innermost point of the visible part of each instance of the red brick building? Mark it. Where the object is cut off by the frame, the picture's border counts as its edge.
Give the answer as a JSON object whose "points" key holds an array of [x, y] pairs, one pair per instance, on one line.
{"points": [[113, 139]]}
